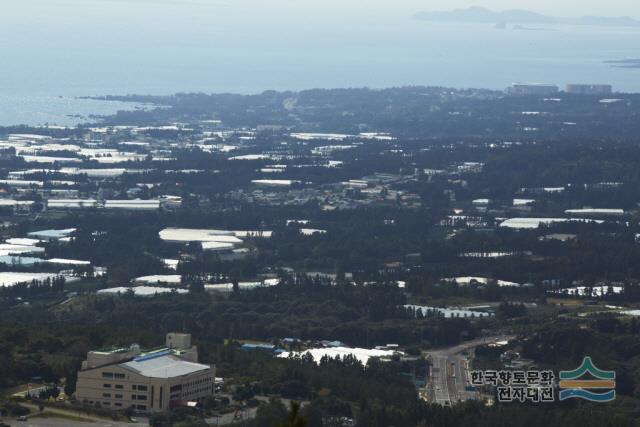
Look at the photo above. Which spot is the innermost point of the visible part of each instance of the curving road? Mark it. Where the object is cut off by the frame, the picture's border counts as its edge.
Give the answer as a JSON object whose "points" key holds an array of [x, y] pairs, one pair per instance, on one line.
{"points": [[449, 379]]}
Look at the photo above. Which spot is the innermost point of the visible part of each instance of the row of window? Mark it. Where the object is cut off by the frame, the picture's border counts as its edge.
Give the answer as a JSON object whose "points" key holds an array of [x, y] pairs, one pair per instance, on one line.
{"points": [[119, 396], [198, 382], [133, 387], [115, 396], [206, 389], [113, 375]]}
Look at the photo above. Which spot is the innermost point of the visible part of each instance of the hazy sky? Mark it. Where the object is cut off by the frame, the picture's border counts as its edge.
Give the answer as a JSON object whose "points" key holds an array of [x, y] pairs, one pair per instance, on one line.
{"points": [[365, 7], [554, 7], [165, 46]]}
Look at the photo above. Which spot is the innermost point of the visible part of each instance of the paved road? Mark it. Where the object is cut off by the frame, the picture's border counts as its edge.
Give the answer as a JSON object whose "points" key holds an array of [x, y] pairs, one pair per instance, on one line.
{"points": [[88, 420], [61, 422], [449, 378], [232, 417]]}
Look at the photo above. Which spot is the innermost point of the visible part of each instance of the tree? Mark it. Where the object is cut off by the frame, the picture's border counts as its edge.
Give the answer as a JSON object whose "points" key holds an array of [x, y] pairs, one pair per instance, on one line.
{"points": [[271, 414], [295, 418], [70, 383], [197, 286], [159, 420]]}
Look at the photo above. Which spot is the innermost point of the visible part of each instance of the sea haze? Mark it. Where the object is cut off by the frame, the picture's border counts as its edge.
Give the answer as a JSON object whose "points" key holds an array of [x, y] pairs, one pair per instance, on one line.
{"points": [[228, 53]]}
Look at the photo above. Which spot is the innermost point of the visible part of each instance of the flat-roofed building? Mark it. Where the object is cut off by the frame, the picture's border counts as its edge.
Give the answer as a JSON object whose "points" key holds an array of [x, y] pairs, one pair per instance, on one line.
{"points": [[52, 235], [150, 382], [133, 205], [588, 89], [532, 89], [71, 203]]}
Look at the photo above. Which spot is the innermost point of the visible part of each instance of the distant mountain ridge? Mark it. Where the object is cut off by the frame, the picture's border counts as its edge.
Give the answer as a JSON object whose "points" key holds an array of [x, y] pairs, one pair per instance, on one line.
{"points": [[484, 15], [478, 14]]}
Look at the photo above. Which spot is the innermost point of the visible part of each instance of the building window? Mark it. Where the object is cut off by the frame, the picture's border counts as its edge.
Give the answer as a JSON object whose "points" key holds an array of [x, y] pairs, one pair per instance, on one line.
{"points": [[134, 387], [106, 385], [119, 376], [142, 397], [142, 388], [107, 375], [106, 403], [133, 397], [142, 407], [106, 394], [118, 404], [118, 396], [119, 386]]}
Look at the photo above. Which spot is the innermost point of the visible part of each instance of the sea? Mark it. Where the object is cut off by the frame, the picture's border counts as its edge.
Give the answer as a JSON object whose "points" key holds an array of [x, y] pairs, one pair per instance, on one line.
{"points": [[44, 76]]}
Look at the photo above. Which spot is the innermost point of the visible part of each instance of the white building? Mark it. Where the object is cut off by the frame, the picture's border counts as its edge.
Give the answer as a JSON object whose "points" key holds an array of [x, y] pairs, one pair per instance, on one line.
{"points": [[532, 89], [149, 382]]}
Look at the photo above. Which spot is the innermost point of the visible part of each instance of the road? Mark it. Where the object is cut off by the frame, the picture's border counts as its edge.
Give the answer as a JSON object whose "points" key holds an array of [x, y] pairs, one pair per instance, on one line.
{"points": [[232, 417], [61, 422], [449, 379], [58, 417]]}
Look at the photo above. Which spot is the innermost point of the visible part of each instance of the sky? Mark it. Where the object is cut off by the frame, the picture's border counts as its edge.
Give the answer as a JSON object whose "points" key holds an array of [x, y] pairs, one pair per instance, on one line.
{"points": [[565, 8], [81, 8], [164, 46]]}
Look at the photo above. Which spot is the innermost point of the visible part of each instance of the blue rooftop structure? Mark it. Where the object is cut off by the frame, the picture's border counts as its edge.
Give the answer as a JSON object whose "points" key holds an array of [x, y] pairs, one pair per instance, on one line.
{"points": [[267, 347], [153, 355], [51, 234]]}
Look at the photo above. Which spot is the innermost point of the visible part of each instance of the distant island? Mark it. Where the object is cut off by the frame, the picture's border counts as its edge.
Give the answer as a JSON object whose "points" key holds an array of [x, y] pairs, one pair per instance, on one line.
{"points": [[624, 63], [516, 16]]}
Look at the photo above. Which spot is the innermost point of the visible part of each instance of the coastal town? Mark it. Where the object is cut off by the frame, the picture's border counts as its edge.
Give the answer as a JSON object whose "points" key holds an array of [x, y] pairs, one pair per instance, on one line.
{"points": [[277, 243]]}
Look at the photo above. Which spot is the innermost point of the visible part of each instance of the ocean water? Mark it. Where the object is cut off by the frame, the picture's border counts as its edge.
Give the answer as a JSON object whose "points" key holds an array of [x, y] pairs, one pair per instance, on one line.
{"points": [[39, 109], [43, 71]]}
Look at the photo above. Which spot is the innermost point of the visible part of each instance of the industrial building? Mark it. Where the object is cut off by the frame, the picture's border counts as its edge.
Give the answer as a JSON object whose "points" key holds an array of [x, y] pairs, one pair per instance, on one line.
{"points": [[532, 89], [585, 89], [146, 381]]}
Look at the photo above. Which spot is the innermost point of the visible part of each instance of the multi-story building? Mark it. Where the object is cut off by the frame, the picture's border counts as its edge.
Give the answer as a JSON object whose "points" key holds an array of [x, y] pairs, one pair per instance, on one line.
{"points": [[532, 89], [585, 89], [145, 381]]}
